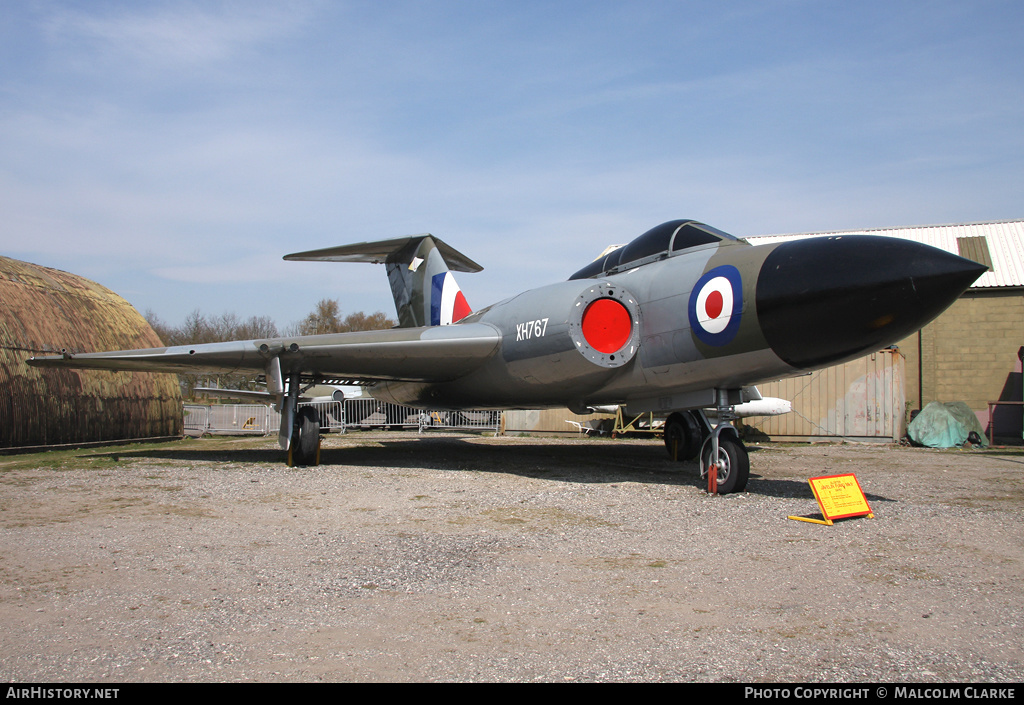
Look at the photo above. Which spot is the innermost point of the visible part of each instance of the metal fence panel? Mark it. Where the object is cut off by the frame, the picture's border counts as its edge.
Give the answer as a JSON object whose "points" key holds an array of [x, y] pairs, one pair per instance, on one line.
{"points": [[460, 420], [335, 416], [370, 413], [227, 419], [332, 415], [197, 419]]}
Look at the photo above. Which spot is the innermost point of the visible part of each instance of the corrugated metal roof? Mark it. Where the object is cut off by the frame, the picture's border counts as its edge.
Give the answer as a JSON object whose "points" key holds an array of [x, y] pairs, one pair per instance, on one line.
{"points": [[1005, 239]]}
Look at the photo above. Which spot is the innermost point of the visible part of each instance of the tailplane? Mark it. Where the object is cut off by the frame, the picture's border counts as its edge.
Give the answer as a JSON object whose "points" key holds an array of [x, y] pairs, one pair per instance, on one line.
{"points": [[419, 271]]}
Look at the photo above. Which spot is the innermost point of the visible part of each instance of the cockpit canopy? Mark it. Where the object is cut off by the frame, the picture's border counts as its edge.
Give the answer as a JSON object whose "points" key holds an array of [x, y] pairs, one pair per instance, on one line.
{"points": [[658, 242]]}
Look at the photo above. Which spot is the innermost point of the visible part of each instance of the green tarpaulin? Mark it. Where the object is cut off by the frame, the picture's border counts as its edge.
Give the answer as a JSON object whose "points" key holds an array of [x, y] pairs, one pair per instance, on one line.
{"points": [[945, 425]]}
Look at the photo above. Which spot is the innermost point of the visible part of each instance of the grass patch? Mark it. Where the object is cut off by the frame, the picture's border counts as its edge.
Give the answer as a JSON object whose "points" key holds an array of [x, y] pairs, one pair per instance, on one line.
{"points": [[94, 458]]}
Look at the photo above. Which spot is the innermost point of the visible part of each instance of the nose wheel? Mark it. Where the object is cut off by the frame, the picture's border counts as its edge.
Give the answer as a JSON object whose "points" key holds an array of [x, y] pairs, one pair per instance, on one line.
{"points": [[722, 452], [732, 464]]}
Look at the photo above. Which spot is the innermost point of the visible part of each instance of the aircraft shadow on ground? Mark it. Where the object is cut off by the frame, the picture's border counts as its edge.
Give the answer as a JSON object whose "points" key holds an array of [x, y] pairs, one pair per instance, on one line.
{"points": [[262, 456], [556, 461], [1015, 456]]}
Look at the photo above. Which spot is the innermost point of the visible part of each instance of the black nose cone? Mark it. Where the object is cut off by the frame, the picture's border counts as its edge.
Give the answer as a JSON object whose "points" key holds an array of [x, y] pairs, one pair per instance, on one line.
{"points": [[828, 299]]}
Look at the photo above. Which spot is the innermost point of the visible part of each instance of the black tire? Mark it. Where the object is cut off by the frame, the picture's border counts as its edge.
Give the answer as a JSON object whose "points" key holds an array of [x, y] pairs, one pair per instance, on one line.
{"points": [[306, 438], [682, 436], [735, 464]]}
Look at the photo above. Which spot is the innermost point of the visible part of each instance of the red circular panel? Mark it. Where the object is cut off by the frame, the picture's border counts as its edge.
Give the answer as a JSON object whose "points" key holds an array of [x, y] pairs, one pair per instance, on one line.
{"points": [[607, 325]]}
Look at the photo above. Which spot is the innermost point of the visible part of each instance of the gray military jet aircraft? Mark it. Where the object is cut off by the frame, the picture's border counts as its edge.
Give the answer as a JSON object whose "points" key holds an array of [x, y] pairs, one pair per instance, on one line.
{"points": [[682, 318]]}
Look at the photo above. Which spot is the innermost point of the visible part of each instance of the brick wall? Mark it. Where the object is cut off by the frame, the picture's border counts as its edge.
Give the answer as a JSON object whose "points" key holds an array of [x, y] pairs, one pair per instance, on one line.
{"points": [[969, 354]]}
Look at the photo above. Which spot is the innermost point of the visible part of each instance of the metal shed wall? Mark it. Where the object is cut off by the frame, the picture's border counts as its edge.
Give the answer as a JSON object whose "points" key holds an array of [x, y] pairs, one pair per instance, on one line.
{"points": [[547, 421], [43, 310], [863, 399]]}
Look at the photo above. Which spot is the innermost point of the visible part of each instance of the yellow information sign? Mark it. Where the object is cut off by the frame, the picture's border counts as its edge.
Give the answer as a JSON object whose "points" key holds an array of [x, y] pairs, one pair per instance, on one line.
{"points": [[840, 497]]}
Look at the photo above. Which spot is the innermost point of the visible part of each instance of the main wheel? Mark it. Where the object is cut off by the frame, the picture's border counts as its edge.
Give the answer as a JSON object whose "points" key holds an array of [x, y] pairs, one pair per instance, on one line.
{"points": [[733, 464], [682, 436], [306, 438]]}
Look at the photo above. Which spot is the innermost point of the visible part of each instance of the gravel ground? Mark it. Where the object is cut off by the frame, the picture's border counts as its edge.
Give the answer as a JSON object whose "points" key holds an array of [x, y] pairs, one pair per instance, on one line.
{"points": [[465, 558]]}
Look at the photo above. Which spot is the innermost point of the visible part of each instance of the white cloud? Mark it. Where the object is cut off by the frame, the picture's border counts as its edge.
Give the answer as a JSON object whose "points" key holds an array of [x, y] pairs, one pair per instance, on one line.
{"points": [[171, 35], [198, 142]]}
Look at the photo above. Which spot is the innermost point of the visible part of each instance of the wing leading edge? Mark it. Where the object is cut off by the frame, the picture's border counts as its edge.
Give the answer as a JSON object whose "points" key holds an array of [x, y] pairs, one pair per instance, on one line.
{"points": [[427, 354]]}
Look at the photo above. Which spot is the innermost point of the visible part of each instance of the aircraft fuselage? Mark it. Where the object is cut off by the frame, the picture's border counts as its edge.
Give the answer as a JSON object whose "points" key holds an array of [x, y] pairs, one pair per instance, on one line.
{"points": [[665, 332]]}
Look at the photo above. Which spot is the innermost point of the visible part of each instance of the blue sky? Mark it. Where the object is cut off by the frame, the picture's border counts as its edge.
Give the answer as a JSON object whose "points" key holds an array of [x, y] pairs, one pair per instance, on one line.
{"points": [[175, 151]]}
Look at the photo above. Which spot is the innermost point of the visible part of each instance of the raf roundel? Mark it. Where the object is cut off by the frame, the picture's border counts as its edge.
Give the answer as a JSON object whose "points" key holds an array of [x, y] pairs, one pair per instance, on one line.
{"points": [[716, 303]]}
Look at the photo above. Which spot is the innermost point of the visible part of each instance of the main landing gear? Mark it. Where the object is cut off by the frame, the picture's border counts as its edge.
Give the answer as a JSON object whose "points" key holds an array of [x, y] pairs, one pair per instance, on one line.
{"points": [[684, 433], [305, 445], [688, 434], [300, 428]]}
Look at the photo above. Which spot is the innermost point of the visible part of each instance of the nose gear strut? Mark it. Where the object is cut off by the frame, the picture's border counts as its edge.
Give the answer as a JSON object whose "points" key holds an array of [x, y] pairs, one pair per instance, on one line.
{"points": [[724, 453]]}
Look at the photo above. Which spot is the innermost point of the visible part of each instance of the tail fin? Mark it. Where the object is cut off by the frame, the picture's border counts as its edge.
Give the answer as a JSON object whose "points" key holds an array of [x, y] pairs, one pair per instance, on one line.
{"points": [[424, 289]]}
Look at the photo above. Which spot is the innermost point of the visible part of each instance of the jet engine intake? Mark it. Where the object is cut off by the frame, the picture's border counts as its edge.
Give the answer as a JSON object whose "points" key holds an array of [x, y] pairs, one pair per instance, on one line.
{"points": [[604, 325]]}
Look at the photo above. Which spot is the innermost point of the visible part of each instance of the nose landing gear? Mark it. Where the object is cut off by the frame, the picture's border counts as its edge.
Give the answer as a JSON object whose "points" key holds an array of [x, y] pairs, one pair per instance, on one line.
{"points": [[688, 434], [731, 465]]}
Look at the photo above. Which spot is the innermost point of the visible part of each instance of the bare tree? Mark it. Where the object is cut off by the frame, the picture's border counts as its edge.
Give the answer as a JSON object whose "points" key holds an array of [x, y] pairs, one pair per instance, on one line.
{"points": [[198, 328], [361, 321], [326, 318], [162, 330], [257, 327], [323, 319]]}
